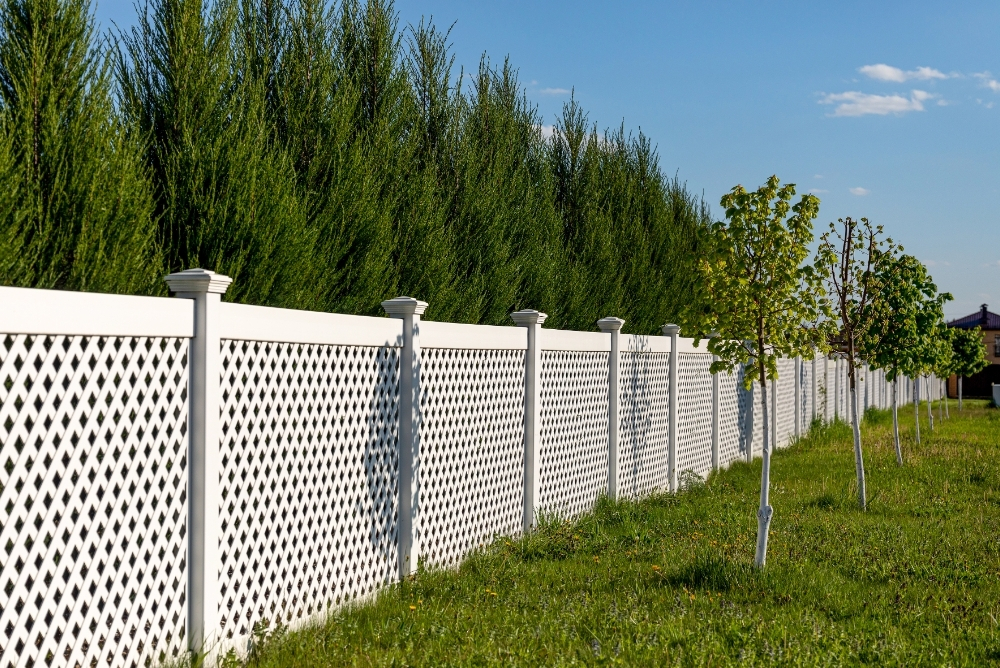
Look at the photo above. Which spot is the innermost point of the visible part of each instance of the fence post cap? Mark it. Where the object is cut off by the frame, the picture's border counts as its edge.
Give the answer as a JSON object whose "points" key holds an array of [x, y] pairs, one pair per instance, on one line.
{"points": [[527, 317], [671, 330], [610, 324], [198, 281], [397, 307]]}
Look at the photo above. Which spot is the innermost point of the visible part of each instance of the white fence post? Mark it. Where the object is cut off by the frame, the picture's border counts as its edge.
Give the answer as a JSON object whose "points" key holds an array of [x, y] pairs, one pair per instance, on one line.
{"points": [[409, 311], [532, 412], [715, 412], [673, 331], [613, 327], [205, 288]]}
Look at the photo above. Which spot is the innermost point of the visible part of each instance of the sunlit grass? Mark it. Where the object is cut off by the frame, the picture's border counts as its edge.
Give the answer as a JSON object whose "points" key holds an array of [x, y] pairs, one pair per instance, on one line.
{"points": [[669, 580]]}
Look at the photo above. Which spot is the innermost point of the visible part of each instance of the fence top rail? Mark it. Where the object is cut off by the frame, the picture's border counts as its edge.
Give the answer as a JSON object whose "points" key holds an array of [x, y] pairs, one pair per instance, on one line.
{"points": [[639, 343], [563, 339], [278, 325], [64, 313], [473, 337]]}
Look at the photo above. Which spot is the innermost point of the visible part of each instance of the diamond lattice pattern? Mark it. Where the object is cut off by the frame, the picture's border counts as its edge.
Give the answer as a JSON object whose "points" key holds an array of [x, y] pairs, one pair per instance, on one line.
{"points": [[472, 449], [806, 398], [694, 414], [733, 408], [644, 423], [309, 478], [574, 447], [785, 387], [92, 500]]}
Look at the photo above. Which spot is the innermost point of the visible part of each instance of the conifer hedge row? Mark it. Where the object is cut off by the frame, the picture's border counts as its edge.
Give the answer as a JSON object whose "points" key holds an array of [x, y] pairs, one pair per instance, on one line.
{"points": [[326, 159]]}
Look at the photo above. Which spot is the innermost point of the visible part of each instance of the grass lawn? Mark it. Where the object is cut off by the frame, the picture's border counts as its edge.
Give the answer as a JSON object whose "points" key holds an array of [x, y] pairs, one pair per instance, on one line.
{"points": [[669, 580]]}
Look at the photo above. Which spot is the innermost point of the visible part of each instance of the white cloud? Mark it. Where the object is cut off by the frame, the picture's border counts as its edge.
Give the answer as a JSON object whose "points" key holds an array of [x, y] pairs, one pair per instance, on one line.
{"points": [[884, 72], [547, 130], [988, 81], [854, 103], [860, 192], [555, 91], [817, 176], [818, 191]]}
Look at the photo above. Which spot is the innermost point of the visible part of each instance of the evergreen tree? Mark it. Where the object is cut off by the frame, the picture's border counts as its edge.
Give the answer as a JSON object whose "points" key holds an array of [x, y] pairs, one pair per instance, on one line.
{"points": [[76, 211], [225, 196]]}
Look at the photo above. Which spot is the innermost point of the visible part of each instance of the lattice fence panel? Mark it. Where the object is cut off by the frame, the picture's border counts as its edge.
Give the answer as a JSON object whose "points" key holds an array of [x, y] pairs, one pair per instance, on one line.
{"points": [[757, 415], [735, 415], [309, 478], [472, 449], [806, 396], [833, 389], [694, 414], [644, 423], [822, 400], [93, 492], [730, 419], [843, 392], [874, 389], [785, 386], [574, 447]]}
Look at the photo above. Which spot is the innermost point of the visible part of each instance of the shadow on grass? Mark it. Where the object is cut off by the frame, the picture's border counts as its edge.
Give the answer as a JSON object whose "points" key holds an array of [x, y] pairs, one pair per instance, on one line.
{"points": [[716, 573]]}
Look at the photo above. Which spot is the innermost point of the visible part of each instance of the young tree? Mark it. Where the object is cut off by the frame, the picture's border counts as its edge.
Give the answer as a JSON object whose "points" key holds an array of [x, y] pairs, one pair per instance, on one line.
{"points": [[943, 365], [899, 332], [855, 260], [968, 355], [936, 349], [926, 346], [755, 291]]}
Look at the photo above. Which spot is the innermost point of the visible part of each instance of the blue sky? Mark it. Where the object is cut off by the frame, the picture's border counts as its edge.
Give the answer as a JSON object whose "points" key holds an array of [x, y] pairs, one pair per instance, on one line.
{"points": [[887, 110]]}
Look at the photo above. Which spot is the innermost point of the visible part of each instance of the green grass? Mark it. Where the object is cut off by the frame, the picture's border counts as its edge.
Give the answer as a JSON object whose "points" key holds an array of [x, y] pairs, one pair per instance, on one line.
{"points": [[669, 580]]}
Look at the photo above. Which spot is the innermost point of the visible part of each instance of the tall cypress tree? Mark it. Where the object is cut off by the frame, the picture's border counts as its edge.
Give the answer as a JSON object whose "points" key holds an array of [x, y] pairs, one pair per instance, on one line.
{"points": [[76, 211], [225, 195]]}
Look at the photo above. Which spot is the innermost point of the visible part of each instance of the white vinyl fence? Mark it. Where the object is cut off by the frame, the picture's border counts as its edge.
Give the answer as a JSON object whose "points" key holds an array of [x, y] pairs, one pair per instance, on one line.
{"points": [[176, 470]]}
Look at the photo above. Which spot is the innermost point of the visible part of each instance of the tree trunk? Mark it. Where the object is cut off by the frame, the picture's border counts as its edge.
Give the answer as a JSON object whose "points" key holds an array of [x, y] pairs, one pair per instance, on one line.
{"points": [[859, 461], [960, 393], [765, 512], [916, 406], [895, 424], [930, 411]]}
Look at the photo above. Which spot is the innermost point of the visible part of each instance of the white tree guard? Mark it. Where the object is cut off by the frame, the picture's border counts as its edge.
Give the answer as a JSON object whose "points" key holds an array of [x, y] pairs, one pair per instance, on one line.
{"points": [[644, 416], [574, 447], [309, 478], [694, 431], [472, 450], [93, 495]]}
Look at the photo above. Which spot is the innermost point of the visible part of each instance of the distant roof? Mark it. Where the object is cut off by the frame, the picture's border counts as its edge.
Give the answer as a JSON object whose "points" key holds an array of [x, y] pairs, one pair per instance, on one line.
{"points": [[981, 318]]}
